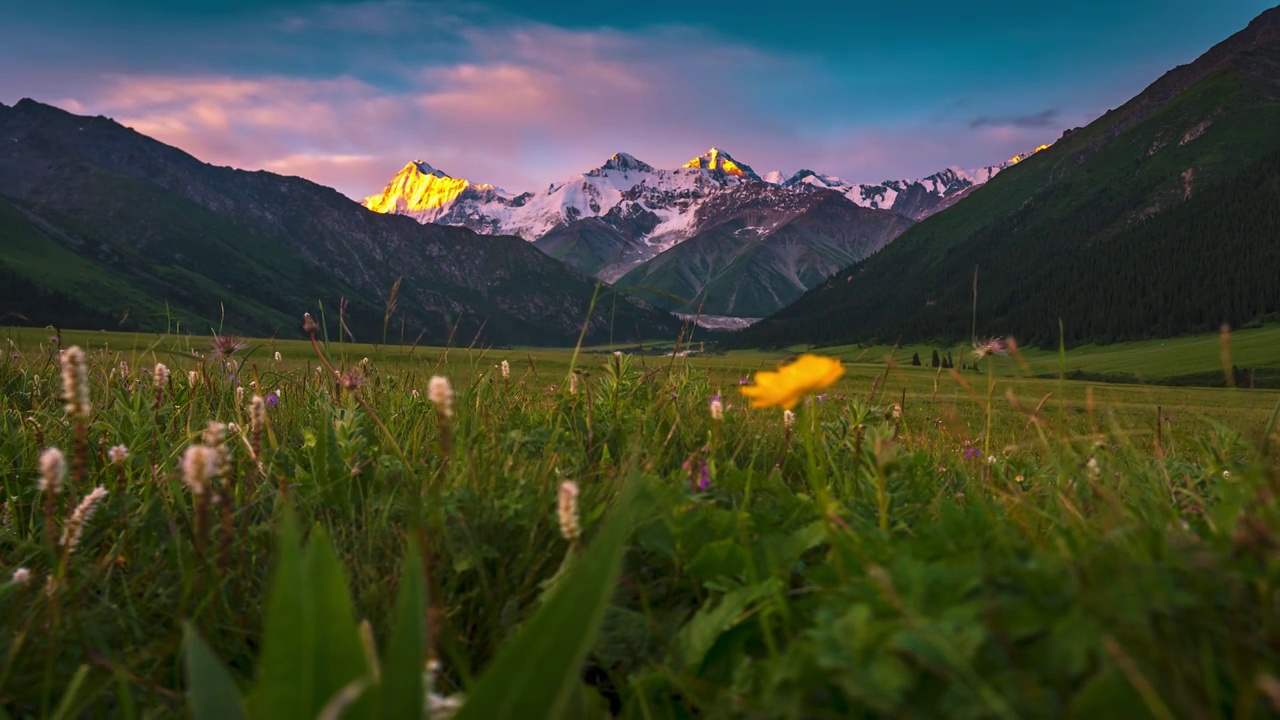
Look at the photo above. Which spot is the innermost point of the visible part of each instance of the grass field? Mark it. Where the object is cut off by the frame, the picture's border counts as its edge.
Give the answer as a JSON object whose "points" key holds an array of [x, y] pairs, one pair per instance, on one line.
{"points": [[921, 542]]}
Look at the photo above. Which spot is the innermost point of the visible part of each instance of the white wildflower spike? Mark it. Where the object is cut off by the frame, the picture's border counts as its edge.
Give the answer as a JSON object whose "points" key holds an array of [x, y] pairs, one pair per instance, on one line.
{"points": [[278, 358], [573, 383], [239, 395], [233, 429], [198, 464], [257, 414], [118, 454], [506, 370], [215, 433], [717, 409], [568, 511], [441, 393], [53, 469], [193, 377], [75, 524], [21, 576], [215, 436], [75, 383], [788, 419], [1094, 471], [161, 376]]}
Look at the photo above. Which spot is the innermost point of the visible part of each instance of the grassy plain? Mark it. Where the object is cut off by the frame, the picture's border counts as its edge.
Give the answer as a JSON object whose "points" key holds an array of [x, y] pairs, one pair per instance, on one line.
{"points": [[997, 545]]}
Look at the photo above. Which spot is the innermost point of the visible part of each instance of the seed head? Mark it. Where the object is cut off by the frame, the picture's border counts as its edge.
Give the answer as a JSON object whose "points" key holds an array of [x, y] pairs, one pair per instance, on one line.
{"points": [[193, 377], [573, 383], [989, 347], [239, 395], [788, 419], [309, 324], [568, 511], [717, 409], [75, 383], [161, 376], [118, 454], [53, 469], [441, 393], [278, 358], [351, 380], [225, 346], [506, 370], [75, 524]]}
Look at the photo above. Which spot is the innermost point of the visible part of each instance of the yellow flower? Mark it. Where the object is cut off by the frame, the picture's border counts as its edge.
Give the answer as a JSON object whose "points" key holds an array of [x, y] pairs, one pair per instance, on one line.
{"points": [[786, 387]]}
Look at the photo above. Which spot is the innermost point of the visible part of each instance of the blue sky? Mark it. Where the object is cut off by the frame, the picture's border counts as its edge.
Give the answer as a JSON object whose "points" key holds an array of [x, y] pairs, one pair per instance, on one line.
{"points": [[520, 94]]}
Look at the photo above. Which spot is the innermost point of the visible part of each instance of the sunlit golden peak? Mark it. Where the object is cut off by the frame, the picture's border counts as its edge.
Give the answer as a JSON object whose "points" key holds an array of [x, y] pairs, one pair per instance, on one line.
{"points": [[1023, 156], [717, 159]]}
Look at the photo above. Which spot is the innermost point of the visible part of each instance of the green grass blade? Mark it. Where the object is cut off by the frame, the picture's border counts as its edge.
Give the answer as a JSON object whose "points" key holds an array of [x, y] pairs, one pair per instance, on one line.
{"points": [[211, 693], [285, 668], [339, 657], [535, 675], [402, 690]]}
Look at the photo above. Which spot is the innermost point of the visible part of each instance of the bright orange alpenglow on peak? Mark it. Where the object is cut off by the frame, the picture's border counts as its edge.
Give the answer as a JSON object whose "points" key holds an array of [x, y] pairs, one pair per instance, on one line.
{"points": [[417, 188], [786, 387], [715, 159], [1019, 158]]}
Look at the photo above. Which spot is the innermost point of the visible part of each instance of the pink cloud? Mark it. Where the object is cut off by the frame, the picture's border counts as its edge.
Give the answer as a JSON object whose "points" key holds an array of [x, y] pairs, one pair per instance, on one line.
{"points": [[529, 104]]}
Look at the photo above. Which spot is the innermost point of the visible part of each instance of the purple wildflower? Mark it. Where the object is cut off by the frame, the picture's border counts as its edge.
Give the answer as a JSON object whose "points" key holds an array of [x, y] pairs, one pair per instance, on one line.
{"points": [[272, 399], [971, 452], [699, 469], [744, 381]]}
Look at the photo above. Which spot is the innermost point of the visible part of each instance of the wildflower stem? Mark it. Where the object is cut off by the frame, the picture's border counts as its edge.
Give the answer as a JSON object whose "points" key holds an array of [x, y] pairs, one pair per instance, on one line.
{"points": [[991, 388]]}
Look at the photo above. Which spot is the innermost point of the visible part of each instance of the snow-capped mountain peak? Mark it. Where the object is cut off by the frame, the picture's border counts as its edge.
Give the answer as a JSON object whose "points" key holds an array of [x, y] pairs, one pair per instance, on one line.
{"points": [[425, 168], [716, 159], [623, 162], [659, 206], [430, 195]]}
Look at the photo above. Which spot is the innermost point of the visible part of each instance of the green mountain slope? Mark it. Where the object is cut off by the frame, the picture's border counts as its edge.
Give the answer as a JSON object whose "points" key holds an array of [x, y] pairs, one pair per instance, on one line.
{"points": [[765, 248], [103, 227], [1157, 219]]}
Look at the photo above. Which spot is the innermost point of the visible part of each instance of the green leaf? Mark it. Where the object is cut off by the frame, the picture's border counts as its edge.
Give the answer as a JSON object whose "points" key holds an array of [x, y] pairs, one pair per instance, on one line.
{"points": [[700, 633], [339, 656], [285, 668], [402, 690], [211, 693], [311, 648], [537, 673]]}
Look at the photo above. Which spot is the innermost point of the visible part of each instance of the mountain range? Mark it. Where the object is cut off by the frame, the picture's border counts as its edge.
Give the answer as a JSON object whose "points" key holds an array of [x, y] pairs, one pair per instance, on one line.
{"points": [[1159, 218], [710, 237], [103, 227]]}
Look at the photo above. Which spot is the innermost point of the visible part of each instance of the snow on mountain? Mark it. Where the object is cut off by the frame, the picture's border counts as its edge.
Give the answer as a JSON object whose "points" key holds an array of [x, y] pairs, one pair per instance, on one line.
{"points": [[918, 198], [624, 183], [652, 208], [431, 196]]}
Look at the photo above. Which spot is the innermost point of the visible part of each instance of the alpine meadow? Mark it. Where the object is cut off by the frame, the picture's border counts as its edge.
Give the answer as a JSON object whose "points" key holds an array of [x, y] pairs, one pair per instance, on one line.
{"points": [[660, 439]]}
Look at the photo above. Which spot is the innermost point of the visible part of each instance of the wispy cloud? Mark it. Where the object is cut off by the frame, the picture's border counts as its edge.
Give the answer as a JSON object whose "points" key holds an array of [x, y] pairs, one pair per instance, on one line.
{"points": [[1043, 119]]}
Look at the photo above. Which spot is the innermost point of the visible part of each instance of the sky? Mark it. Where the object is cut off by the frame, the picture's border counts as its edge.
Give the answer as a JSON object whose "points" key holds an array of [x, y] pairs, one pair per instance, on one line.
{"points": [[521, 94]]}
